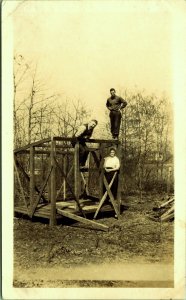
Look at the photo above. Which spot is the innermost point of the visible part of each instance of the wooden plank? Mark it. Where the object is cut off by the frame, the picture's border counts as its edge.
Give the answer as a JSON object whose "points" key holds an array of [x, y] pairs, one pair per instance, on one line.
{"points": [[166, 203], [83, 220], [39, 213], [104, 197], [70, 202], [35, 203], [170, 210], [168, 217], [87, 207], [45, 206], [21, 188], [53, 185]]}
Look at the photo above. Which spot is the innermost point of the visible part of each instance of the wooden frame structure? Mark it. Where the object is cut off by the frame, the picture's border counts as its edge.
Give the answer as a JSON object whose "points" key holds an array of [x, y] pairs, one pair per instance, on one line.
{"points": [[62, 176]]}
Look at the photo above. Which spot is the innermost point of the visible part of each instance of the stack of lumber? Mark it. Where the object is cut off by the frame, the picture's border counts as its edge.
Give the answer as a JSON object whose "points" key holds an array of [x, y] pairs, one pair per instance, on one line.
{"points": [[168, 209], [169, 213]]}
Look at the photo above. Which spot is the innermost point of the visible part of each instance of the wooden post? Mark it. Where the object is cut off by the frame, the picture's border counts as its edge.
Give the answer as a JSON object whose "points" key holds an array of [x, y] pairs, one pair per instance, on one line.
{"points": [[49, 183], [120, 174], [101, 171], [53, 185], [64, 179], [76, 173], [32, 175]]}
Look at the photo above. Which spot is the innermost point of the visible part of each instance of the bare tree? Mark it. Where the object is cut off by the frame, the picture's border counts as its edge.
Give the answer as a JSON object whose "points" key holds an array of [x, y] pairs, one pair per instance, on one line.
{"points": [[69, 115], [145, 131], [32, 103]]}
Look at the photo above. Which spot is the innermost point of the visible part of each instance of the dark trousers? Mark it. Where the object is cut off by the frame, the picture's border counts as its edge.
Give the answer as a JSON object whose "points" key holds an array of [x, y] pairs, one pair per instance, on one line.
{"points": [[114, 187], [115, 121], [83, 153]]}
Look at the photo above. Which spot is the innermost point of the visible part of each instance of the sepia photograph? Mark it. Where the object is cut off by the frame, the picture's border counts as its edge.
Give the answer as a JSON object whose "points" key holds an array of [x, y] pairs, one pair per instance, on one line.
{"points": [[93, 149]]}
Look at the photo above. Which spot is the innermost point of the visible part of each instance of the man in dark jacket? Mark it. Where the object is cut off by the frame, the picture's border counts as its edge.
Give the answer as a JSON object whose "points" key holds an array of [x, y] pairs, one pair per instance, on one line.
{"points": [[84, 132], [115, 104]]}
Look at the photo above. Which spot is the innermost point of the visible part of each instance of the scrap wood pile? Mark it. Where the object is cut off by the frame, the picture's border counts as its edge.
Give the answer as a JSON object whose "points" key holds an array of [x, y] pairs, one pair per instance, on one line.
{"points": [[165, 211]]}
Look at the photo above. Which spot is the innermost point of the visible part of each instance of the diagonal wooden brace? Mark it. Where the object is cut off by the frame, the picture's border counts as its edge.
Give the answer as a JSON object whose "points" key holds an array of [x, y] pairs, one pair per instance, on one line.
{"points": [[21, 188], [27, 177], [65, 177], [77, 200], [105, 195], [96, 159], [83, 220], [85, 184], [34, 206], [111, 196]]}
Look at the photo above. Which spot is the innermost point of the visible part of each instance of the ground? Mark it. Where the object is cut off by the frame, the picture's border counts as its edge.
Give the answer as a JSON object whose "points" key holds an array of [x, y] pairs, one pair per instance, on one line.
{"points": [[70, 254]]}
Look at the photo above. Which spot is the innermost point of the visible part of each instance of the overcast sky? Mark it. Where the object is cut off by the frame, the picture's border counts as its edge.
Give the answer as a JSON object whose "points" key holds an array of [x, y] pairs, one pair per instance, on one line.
{"points": [[83, 48]]}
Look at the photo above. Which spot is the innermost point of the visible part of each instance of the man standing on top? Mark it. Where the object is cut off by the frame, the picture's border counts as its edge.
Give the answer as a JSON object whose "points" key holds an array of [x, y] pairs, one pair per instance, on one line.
{"points": [[84, 132], [115, 104]]}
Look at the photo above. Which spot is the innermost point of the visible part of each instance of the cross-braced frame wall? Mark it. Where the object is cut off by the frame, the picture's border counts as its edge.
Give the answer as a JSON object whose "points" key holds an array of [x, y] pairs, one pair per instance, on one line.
{"points": [[51, 184]]}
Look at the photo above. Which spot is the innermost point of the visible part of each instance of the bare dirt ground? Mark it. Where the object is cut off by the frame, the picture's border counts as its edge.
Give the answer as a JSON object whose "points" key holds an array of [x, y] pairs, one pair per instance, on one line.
{"points": [[135, 252]]}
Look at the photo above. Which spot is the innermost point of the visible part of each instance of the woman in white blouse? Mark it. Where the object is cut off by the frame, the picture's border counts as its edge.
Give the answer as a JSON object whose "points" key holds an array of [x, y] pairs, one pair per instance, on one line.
{"points": [[111, 165]]}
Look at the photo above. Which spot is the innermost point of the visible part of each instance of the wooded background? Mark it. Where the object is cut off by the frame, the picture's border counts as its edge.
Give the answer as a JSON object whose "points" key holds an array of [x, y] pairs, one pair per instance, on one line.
{"points": [[146, 132]]}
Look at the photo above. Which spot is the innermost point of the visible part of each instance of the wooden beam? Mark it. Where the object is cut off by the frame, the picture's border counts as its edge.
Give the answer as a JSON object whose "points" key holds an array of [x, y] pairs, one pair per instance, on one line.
{"points": [[49, 182], [167, 202], [85, 187], [53, 185], [83, 220], [21, 188], [67, 176], [35, 203], [64, 179], [32, 175], [76, 173], [27, 176], [58, 138], [41, 142], [43, 152], [168, 217], [71, 190], [169, 211], [101, 170], [120, 173], [58, 146], [108, 188], [104, 197], [96, 159], [32, 144]]}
